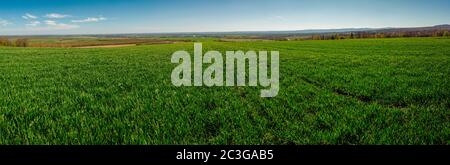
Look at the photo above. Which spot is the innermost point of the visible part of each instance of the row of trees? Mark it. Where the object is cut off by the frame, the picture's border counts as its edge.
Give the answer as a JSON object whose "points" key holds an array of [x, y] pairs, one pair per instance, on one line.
{"points": [[21, 42], [356, 35]]}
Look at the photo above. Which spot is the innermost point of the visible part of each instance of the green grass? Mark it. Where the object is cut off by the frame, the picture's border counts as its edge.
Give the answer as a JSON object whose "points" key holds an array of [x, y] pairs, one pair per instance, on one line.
{"points": [[374, 91]]}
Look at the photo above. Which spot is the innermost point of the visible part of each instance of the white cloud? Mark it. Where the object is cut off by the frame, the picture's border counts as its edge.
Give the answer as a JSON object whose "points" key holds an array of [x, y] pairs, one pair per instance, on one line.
{"points": [[277, 18], [56, 16], [50, 22], [53, 25], [28, 16], [34, 23], [90, 19], [4, 22]]}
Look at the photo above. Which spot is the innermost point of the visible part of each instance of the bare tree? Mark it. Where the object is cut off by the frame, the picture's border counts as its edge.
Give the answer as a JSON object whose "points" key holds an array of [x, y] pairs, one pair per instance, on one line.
{"points": [[5, 42], [21, 42], [446, 34]]}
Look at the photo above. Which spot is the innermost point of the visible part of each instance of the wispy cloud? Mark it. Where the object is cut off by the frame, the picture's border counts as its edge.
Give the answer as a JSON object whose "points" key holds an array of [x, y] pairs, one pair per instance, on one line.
{"points": [[4, 22], [90, 19], [53, 25], [28, 16], [56, 16], [52, 22], [33, 23]]}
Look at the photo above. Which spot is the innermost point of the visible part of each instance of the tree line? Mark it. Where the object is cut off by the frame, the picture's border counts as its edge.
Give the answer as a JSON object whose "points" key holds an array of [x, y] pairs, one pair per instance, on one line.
{"points": [[21, 42], [396, 34]]}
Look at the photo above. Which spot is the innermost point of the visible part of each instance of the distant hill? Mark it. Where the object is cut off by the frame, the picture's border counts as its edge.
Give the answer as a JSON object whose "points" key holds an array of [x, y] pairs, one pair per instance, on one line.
{"points": [[333, 30], [347, 30], [431, 28]]}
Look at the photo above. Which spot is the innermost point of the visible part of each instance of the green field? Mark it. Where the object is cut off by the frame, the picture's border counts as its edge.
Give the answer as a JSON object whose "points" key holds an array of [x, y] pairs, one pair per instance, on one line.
{"points": [[373, 91]]}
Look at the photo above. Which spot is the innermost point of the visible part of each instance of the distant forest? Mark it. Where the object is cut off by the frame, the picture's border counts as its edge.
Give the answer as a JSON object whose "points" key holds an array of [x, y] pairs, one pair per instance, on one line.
{"points": [[387, 34]]}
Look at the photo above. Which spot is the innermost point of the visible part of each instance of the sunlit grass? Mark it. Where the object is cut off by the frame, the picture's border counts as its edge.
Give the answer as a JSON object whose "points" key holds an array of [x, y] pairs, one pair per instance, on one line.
{"points": [[374, 91]]}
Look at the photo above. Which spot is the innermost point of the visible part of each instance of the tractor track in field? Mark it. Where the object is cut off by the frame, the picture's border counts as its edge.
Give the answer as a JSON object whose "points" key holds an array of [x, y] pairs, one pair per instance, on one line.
{"points": [[340, 92]]}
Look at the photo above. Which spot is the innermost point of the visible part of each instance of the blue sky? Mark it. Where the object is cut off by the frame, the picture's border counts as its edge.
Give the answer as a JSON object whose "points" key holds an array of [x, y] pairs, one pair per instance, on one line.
{"points": [[141, 16]]}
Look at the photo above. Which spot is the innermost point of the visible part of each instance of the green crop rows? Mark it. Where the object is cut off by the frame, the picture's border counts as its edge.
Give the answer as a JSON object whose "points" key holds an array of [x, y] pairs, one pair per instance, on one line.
{"points": [[374, 91]]}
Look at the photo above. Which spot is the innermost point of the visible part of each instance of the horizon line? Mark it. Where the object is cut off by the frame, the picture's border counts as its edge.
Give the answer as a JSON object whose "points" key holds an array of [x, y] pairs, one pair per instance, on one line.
{"points": [[237, 31]]}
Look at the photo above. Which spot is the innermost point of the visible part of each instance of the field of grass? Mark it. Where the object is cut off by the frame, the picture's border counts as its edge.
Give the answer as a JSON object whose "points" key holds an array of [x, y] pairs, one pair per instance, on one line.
{"points": [[373, 91]]}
